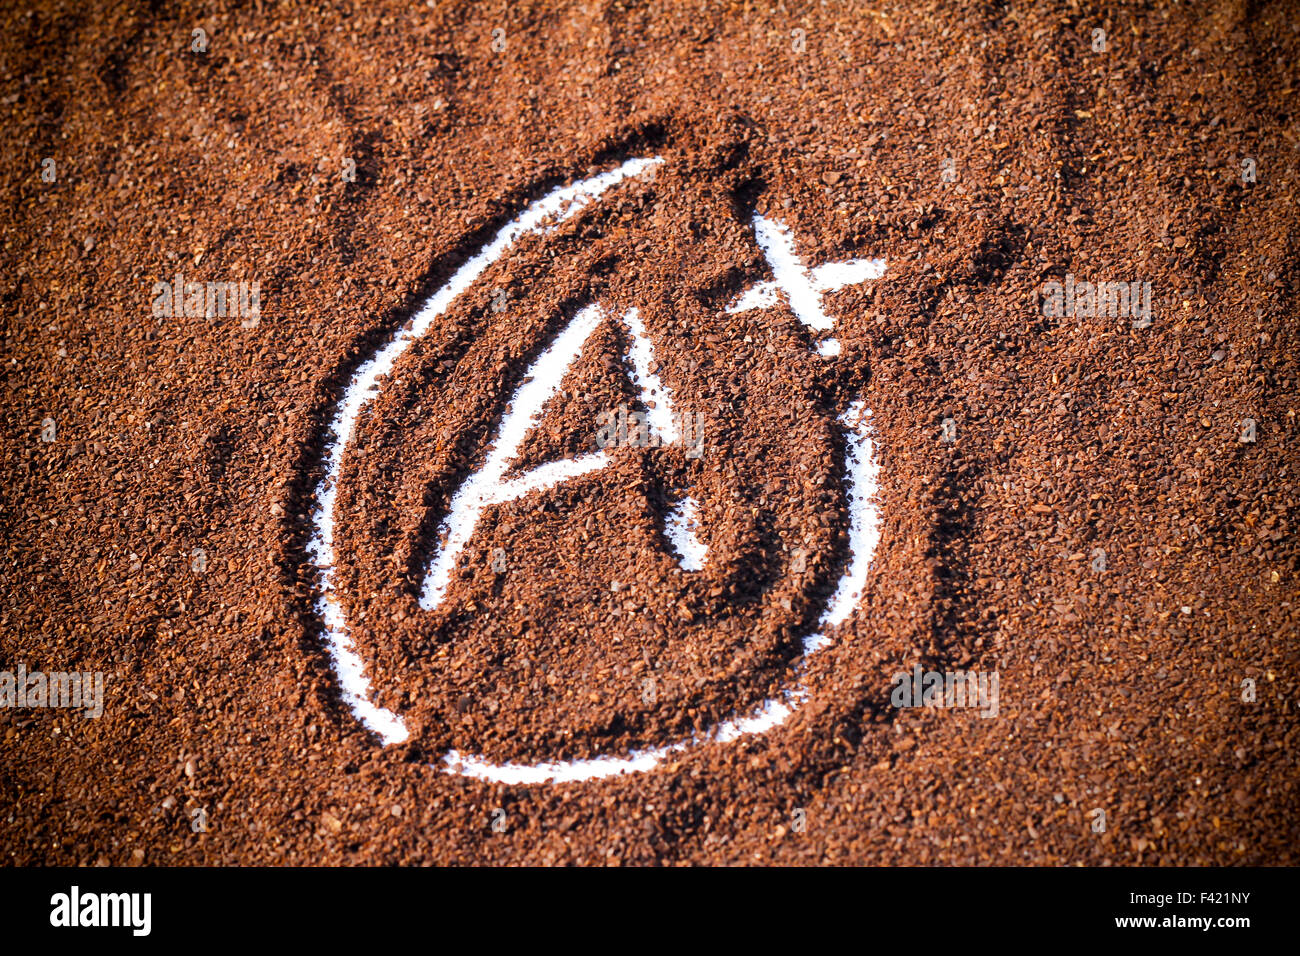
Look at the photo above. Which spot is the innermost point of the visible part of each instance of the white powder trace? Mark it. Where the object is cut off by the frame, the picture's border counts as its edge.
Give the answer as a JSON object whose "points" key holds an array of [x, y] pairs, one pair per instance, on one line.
{"points": [[683, 529], [803, 287], [542, 216], [488, 487]]}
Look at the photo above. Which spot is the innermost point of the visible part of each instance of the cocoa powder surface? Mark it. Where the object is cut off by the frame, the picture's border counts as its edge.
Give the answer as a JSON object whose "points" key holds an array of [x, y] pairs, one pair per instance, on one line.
{"points": [[982, 150]]}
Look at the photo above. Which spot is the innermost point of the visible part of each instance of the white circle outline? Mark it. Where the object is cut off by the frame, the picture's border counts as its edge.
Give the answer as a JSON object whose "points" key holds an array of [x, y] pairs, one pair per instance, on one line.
{"points": [[862, 467]]}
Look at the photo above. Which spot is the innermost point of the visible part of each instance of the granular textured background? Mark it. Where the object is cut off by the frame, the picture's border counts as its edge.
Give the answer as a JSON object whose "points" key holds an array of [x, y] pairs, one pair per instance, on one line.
{"points": [[983, 149]]}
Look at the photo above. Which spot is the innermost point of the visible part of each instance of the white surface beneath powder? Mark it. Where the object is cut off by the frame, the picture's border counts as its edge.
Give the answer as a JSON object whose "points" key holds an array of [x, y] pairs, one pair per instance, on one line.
{"points": [[682, 527]]}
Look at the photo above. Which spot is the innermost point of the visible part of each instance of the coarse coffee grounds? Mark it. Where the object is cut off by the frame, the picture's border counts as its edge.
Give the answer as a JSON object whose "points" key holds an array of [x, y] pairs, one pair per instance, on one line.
{"points": [[1095, 502], [607, 607]]}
